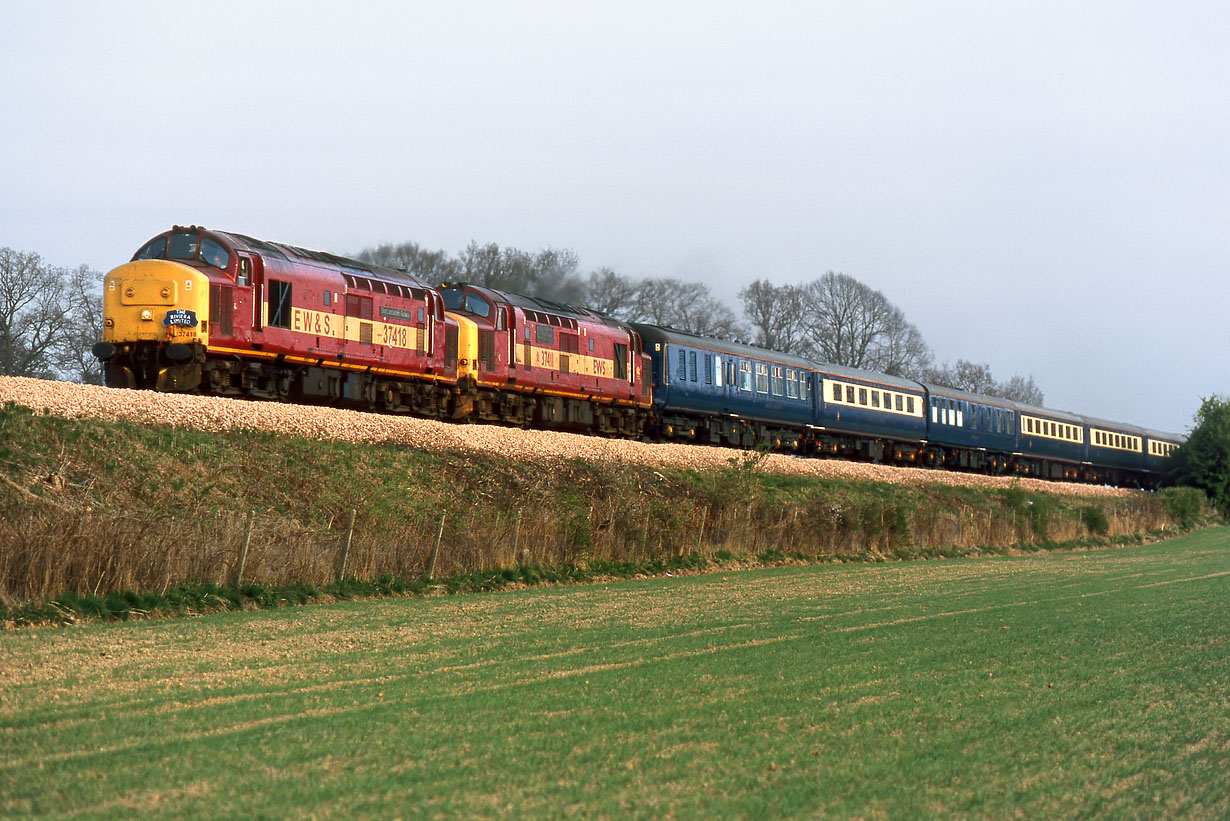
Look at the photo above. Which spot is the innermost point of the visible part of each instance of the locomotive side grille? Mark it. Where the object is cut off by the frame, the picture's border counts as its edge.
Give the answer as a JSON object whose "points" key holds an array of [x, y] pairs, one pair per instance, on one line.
{"points": [[222, 307], [486, 350], [450, 347], [365, 333], [419, 336], [525, 357]]}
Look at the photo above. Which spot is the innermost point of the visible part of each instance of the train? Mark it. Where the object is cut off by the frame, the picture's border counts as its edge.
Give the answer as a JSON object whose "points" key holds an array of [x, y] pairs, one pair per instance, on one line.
{"points": [[223, 313]]}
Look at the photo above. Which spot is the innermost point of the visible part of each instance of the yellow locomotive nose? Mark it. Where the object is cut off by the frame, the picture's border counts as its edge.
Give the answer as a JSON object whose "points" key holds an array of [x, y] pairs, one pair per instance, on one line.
{"points": [[155, 300]]}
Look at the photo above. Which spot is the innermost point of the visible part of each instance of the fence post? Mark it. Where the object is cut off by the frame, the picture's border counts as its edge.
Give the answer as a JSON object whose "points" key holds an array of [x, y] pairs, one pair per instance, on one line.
{"points": [[243, 552], [341, 573], [435, 551]]}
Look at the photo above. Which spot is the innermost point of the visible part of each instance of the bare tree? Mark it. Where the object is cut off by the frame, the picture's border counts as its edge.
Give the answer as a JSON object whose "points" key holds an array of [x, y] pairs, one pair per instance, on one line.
{"points": [[610, 293], [433, 266], [83, 326], [551, 273], [1022, 389], [976, 377], [850, 324], [673, 303], [33, 307], [905, 353], [777, 316]]}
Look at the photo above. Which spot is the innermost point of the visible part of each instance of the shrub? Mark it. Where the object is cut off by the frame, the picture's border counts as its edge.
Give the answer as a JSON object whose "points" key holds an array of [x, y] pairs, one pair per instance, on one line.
{"points": [[1203, 461], [1095, 520], [1184, 505]]}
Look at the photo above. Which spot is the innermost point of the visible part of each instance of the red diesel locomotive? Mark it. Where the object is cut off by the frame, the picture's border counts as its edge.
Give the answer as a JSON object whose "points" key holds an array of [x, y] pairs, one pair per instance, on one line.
{"points": [[226, 314]]}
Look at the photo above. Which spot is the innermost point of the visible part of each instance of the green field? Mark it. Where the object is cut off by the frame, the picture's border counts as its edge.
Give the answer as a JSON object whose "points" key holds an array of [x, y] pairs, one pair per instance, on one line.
{"points": [[1084, 683]]}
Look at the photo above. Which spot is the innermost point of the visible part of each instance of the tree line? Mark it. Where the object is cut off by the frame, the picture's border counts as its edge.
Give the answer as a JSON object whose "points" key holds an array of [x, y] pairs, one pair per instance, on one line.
{"points": [[50, 316], [835, 318]]}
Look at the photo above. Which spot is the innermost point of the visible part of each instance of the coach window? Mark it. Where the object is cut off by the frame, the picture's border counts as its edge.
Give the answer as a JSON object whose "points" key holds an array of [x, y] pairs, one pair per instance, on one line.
{"points": [[836, 392], [875, 399], [862, 396], [792, 384], [745, 375], [762, 378]]}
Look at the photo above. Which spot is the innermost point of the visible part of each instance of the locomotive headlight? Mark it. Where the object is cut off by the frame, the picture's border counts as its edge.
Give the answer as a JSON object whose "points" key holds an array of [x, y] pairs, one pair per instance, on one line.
{"points": [[146, 316]]}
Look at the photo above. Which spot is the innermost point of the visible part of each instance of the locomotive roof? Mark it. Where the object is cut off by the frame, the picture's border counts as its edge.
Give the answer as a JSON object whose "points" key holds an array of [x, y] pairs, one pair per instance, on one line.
{"points": [[293, 252], [660, 333], [545, 305]]}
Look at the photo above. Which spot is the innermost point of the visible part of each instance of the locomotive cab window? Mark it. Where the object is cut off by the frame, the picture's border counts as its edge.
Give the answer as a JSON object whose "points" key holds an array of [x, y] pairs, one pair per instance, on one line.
{"points": [[181, 246], [155, 249], [478, 306], [213, 254]]}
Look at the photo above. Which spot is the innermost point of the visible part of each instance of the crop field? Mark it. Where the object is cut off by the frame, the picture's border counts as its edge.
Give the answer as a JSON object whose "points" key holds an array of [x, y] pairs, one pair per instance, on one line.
{"points": [[1083, 683]]}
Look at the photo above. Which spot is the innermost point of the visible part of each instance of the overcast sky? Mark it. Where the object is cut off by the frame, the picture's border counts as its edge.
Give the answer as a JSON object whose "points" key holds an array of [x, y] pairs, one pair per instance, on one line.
{"points": [[1043, 186]]}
